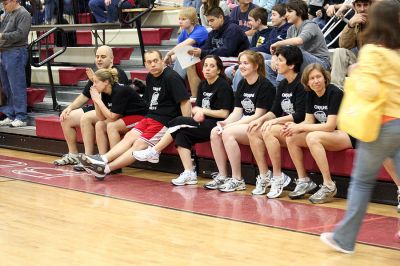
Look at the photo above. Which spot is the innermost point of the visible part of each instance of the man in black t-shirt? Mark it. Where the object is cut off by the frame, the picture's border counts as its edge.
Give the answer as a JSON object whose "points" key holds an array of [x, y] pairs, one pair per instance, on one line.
{"points": [[75, 116], [167, 97]]}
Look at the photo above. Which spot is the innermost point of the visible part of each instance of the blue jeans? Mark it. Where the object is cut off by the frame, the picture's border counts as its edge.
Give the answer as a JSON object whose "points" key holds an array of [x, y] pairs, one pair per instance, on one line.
{"points": [[52, 6], [308, 58], [13, 79], [368, 161], [98, 7]]}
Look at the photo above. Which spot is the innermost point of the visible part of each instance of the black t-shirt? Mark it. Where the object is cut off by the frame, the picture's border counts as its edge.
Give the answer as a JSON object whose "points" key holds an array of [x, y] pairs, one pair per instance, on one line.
{"points": [[122, 78], [290, 100], [261, 94], [126, 101], [216, 96], [164, 94], [327, 104]]}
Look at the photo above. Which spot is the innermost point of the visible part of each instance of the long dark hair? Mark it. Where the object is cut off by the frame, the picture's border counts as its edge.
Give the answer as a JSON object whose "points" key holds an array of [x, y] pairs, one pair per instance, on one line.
{"points": [[220, 65], [383, 24]]}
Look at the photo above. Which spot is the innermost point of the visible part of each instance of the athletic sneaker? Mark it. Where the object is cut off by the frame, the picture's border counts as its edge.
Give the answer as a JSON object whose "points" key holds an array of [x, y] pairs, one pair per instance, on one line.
{"points": [[185, 178], [96, 169], [67, 159], [398, 200], [217, 181], [18, 123], [233, 185], [6, 122], [327, 238], [147, 155], [262, 184], [302, 188], [277, 185], [89, 159], [323, 195], [78, 167]]}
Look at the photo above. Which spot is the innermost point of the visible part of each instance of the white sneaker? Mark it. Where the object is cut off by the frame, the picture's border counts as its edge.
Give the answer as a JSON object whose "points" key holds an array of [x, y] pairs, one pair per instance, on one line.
{"points": [[67, 159], [278, 183], [262, 184], [217, 181], [233, 185], [327, 238], [18, 123], [185, 178], [147, 155], [6, 122]]}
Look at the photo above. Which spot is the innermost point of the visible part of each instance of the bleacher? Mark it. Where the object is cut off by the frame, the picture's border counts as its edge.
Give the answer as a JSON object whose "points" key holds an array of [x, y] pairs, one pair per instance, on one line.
{"points": [[160, 31]]}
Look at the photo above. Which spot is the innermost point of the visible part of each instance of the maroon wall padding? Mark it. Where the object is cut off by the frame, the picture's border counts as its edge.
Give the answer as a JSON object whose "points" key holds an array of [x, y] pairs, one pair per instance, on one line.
{"points": [[170, 149], [50, 127], [70, 76], [121, 53], [35, 95]]}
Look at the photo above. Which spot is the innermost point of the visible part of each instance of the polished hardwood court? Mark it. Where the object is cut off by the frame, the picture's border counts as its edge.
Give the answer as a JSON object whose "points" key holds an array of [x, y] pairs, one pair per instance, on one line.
{"points": [[48, 225]]}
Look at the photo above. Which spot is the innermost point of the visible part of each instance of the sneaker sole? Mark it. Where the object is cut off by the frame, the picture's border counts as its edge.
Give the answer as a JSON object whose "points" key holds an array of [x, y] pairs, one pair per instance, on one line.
{"points": [[258, 193], [232, 190], [322, 201], [182, 184], [302, 195], [95, 174], [210, 188]]}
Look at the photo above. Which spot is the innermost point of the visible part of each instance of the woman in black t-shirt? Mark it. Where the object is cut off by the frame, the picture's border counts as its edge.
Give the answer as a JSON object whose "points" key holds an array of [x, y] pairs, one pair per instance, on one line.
{"points": [[265, 132], [126, 108], [253, 99], [317, 132], [214, 102]]}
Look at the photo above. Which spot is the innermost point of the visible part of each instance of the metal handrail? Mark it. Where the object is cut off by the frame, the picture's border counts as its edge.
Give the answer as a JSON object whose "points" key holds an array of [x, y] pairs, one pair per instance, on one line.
{"points": [[59, 52], [47, 60]]}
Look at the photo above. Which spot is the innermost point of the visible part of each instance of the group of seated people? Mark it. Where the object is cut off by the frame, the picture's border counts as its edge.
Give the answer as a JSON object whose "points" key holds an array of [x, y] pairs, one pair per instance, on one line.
{"points": [[300, 111]]}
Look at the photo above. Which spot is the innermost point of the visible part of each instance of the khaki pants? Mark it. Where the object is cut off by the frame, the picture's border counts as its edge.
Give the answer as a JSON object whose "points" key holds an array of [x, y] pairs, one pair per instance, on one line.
{"points": [[342, 59]]}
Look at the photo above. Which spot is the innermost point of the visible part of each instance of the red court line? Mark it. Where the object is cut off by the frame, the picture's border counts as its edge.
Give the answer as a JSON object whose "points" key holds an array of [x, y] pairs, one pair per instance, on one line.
{"points": [[377, 230]]}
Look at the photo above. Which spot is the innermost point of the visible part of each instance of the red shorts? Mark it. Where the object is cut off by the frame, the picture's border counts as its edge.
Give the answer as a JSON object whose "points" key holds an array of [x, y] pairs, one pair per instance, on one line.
{"points": [[151, 131], [131, 120]]}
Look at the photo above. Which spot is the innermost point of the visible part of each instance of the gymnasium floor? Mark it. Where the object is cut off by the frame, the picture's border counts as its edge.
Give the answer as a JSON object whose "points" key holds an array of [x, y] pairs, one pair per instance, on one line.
{"points": [[55, 216]]}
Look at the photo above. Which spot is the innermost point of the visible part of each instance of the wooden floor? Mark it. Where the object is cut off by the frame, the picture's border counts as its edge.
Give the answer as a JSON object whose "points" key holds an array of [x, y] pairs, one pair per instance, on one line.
{"points": [[43, 225]]}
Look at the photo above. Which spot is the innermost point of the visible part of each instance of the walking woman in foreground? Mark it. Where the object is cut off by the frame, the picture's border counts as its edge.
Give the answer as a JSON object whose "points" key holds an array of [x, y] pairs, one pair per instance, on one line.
{"points": [[378, 69]]}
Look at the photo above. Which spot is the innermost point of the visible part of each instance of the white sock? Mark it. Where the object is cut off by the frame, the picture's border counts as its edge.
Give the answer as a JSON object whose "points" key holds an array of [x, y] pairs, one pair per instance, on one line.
{"points": [[107, 169], [104, 158], [264, 175], [305, 179]]}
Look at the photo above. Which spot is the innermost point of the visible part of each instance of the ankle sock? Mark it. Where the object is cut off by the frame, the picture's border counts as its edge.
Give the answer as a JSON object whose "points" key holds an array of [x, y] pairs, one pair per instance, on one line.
{"points": [[104, 158]]}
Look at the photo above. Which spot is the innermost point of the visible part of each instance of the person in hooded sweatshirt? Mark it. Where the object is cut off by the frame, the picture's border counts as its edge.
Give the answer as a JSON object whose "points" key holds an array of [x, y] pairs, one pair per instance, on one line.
{"points": [[225, 40], [303, 33]]}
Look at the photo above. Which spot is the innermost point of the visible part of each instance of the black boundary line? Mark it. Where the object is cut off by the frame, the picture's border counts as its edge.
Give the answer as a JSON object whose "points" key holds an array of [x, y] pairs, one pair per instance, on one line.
{"points": [[192, 212]]}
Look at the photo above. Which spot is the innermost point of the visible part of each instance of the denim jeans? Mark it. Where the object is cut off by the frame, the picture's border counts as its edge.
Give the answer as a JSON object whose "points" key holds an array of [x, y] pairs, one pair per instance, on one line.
{"points": [[308, 58], [178, 68], [98, 7], [368, 161], [13, 79]]}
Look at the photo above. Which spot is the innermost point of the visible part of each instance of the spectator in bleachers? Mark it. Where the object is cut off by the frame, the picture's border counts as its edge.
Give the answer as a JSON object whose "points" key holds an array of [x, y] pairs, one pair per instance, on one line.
{"points": [[240, 15], [350, 42], [193, 3], [303, 33], [191, 34], [232, 3], [167, 97], [51, 8], [213, 103], [107, 10], [267, 4], [265, 132], [377, 71], [318, 132], [127, 108], [207, 5], [253, 99], [226, 39], [264, 36], [77, 115], [14, 30]]}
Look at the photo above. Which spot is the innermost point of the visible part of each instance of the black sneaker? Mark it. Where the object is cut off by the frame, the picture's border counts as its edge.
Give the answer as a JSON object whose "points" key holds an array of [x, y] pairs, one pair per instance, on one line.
{"points": [[93, 167]]}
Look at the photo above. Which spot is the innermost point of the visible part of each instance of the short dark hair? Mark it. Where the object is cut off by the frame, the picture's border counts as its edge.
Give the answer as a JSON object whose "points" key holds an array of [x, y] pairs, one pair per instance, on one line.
{"points": [[259, 13], [220, 65], [215, 12], [299, 6], [293, 56], [153, 51], [280, 8]]}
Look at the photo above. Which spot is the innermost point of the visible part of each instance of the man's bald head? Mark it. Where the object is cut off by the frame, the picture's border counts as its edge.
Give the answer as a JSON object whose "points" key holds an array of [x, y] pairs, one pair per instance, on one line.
{"points": [[104, 57]]}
